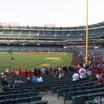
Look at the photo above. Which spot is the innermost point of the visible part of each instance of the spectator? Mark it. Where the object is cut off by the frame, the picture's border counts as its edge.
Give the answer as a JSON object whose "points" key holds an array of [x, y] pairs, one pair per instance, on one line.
{"points": [[31, 73], [75, 77], [100, 77], [42, 70], [39, 79], [17, 82], [88, 70], [4, 80], [60, 73], [34, 79], [82, 72], [28, 80], [16, 72], [26, 72]]}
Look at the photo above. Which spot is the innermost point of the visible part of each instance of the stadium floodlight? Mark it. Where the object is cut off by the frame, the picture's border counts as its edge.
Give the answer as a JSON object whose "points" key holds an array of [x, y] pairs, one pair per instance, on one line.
{"points": [[86, 58]]}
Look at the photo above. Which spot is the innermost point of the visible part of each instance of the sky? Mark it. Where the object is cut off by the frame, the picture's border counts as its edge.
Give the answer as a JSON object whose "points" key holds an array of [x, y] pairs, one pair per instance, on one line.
{"points": [[50, 12]]}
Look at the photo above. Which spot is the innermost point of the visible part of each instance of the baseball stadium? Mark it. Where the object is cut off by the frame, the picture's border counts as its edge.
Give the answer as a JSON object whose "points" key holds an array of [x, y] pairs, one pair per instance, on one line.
{"points": [[52, 64]]}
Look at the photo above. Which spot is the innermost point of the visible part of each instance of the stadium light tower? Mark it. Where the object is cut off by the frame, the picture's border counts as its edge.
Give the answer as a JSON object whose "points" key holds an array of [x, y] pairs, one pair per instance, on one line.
{"points": [[86, 57]]}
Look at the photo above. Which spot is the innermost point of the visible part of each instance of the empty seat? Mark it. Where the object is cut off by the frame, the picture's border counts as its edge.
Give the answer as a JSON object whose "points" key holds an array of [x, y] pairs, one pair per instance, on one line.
{"points": [[7, 101], [29, 94], [21, 95], [11, 96], [23, 100], [41, 102], [35, 98]]}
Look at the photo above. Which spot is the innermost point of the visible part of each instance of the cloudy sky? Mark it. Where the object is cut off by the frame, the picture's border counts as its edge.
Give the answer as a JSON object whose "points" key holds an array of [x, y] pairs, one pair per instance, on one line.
{"points": [[54, 12]]}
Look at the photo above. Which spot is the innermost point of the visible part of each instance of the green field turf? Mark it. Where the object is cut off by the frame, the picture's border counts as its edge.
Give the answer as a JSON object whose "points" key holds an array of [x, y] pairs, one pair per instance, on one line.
{"points": [[30, 60]]}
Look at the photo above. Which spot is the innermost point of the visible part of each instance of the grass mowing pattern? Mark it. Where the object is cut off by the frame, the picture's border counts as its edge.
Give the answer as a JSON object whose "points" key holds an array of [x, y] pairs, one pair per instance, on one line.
{"points": [[30, 60]]}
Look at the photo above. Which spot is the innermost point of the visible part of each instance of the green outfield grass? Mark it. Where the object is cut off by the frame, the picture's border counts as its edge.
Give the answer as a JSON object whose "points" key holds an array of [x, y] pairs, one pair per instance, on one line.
{"points": [[29, 60]]}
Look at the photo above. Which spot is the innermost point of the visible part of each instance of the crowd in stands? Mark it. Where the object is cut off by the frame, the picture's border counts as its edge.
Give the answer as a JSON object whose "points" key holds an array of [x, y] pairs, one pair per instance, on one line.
{"points": [[56, 72], [94, 67], [97, 66], [21, 76]]}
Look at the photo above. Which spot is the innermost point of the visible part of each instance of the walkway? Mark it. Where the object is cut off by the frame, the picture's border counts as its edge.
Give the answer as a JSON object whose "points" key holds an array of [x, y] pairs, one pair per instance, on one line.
{"points": [[52, 99]]}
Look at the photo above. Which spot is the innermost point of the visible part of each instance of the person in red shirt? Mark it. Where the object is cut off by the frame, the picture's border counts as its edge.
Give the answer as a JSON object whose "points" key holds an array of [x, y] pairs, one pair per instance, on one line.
{"points": [[101, 80], [98, 71], [31, 73], [26, 72], [21, 72]]}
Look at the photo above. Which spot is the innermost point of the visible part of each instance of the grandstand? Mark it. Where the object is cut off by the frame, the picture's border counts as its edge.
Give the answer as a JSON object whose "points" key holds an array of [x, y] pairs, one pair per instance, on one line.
{"points": [[57, 86], [25, 35]]}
